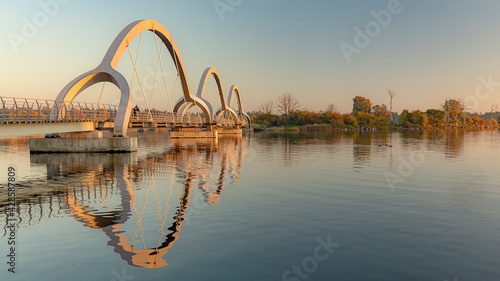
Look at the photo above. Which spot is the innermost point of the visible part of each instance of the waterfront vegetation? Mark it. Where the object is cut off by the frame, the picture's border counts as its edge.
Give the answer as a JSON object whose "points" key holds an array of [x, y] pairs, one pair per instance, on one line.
{"points": [[285, 114]]}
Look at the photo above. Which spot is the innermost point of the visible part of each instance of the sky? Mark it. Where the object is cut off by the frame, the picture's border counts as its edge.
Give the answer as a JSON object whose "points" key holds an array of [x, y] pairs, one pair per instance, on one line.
{"points": [[320, 51]]}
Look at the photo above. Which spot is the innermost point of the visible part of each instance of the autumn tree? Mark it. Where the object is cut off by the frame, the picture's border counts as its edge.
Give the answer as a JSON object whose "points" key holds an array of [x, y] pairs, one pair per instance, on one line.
{"points": [[365, 119], [361, 104], [287, 103], [267, 107], [350, 121], [302, 118], [333, 118], [380, 110], [492, 123], [454, 111]]}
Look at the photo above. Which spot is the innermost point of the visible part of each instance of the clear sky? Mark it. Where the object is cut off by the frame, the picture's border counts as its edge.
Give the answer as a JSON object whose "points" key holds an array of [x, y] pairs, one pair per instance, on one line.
{"points": [[427, 52]]}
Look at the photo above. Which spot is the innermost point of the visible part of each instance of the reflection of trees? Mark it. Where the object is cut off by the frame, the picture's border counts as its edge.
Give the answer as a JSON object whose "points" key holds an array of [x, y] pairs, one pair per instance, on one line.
{"points": [[285, 144], [123, 195], [454, 143], [361, 150], [409, 137]]}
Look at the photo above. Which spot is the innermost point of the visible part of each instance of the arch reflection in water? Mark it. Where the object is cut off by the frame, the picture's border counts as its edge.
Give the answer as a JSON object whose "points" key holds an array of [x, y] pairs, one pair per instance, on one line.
{"points": [[141, 205]]}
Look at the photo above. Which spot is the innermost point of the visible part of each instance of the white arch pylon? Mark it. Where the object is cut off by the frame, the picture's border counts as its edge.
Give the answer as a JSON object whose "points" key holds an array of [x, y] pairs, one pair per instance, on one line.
{"points": [[241, 112], [106, 72], [182, 106]]}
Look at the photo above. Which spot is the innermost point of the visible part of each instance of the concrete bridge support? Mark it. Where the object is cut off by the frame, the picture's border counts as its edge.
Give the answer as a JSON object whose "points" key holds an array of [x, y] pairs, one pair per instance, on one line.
{"points": [[83, 142]]}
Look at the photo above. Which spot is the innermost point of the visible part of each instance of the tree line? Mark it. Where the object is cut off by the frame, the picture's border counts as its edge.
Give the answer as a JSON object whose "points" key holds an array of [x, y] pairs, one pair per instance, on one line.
{"points": [[287, 110]]}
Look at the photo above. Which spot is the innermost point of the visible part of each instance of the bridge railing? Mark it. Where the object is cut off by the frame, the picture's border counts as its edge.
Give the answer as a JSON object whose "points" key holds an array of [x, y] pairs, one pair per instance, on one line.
{"points": [[259, 126], [159, 116], [21, 110], [166, 117], [229, 122]]}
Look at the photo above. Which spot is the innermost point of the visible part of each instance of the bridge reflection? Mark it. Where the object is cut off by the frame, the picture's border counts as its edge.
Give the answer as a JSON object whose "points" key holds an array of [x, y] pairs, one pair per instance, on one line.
{"points": [[139, 203]]}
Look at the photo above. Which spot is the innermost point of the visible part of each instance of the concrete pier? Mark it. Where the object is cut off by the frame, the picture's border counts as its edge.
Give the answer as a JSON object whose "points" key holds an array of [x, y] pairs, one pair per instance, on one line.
{"points": [[85, 142], [192, 134], [223, 131]]}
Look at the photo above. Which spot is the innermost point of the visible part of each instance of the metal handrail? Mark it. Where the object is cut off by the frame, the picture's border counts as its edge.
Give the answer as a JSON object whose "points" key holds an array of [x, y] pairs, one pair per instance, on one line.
{"points": [[21, 110], [59, 111]]}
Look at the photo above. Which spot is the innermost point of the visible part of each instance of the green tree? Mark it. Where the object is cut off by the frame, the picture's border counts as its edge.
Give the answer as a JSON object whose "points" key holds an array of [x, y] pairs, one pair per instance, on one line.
{"points": [[404, 116], [415, 118], [435, 117], [302, 118], [382, 121]]}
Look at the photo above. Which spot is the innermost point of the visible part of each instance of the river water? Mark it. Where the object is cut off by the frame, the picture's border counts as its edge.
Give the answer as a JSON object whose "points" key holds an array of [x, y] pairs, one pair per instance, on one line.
{"points": [[408, 205]]}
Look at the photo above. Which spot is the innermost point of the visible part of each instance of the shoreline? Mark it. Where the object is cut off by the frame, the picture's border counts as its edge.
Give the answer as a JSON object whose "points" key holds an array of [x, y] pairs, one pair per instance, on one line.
{"points": [[324, 127]]}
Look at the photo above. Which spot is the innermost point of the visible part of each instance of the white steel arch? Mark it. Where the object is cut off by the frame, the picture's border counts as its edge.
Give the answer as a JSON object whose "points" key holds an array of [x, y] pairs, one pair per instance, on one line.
{"points": [[182, 106], [106, 72], [241, 112]]}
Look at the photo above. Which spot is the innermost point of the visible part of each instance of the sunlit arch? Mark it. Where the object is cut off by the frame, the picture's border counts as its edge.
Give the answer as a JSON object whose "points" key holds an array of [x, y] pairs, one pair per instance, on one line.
{"points": [[106, 72], [234, 91], [182, 106]]}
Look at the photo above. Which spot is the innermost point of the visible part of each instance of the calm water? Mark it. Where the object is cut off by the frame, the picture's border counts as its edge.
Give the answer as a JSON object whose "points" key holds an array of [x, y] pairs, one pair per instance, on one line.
{"points": [[325, 206]]}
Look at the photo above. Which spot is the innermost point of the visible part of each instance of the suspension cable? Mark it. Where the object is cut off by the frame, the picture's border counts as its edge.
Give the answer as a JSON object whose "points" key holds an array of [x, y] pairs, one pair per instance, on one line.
{"points": [[136, 58], [102, 90], [156, 75], [140, 84], [163, 74]]}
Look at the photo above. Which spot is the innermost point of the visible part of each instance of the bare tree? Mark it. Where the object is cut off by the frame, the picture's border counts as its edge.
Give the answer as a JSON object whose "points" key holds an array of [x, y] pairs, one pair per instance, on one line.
{"points": [[331, 108], [267, 107], [494, 107], [391, 94], [287, 103]]}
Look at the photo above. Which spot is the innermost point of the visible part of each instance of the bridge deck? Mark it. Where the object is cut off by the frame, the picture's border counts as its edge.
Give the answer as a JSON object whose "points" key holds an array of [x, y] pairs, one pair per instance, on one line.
{"points": [[23, 116]]}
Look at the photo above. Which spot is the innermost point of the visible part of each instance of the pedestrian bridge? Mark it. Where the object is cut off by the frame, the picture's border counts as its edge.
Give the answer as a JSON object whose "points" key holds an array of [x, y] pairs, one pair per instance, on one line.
{"points": [[25, 116], [22, 117]]}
